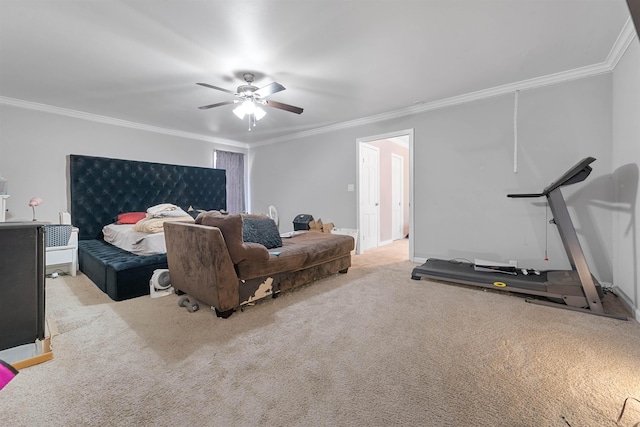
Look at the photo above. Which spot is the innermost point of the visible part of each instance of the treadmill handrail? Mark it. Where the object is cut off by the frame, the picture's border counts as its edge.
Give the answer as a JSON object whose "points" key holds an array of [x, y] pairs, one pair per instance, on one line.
{"points": [[519, 196], [579, 172]]}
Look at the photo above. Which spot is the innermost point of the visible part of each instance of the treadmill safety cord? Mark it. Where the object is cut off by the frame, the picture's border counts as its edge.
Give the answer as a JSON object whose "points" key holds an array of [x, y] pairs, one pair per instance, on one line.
{"points": [[546, 230]]}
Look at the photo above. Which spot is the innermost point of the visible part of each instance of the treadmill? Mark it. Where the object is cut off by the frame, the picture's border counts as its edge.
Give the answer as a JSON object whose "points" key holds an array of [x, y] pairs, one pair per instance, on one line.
{"points": [[574, 289]]}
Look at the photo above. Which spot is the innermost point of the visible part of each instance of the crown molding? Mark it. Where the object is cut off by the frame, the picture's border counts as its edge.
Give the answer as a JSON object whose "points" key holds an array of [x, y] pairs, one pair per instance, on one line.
{"points": [[620, 46], [538, 82], [622, 43], [616, 53], [27, 105]]}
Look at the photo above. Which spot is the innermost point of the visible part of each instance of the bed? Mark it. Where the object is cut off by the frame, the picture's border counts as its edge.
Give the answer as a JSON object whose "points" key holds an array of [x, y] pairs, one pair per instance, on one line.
{"points": [[102, 188], [137, 242]]}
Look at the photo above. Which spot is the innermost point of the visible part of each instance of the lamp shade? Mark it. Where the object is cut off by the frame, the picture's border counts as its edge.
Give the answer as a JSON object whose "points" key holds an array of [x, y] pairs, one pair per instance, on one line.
{"points": [[259, 113], [35, 201], [249, 108], [239, 111]]}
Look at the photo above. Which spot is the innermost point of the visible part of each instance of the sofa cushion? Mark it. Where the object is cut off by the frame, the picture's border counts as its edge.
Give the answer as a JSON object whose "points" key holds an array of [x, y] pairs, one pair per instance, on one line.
{"points": [[299, 252], [230, 226], [261, 230]]}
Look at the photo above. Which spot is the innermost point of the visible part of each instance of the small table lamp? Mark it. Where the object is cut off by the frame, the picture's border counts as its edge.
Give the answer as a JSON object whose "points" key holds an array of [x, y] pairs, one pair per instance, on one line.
{"points": [[36, 201]]}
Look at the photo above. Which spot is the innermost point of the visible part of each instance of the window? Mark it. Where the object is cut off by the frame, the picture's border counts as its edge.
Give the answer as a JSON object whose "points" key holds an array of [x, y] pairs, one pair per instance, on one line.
{"points": [[233, 163]]}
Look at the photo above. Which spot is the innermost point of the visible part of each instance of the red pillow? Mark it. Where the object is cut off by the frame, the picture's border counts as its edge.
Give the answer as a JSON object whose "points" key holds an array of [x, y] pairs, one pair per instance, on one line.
{"points": [[130, 217]]}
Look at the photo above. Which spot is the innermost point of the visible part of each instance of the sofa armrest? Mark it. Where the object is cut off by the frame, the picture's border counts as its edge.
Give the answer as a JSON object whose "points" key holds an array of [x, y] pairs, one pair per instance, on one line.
{"points": [[200, 265]]}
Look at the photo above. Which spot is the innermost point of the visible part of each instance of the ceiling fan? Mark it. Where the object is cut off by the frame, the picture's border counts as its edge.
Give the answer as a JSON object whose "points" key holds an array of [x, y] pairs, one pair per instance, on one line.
{"points": [[250, 98]]}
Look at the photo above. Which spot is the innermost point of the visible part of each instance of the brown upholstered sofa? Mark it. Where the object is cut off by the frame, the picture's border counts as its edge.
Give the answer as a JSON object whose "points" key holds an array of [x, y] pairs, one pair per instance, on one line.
{"points": [[209, 261]]}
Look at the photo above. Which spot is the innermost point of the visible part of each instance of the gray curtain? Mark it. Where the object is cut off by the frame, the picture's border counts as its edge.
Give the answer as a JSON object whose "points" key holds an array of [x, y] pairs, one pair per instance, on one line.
{"points": [[233, 163]]}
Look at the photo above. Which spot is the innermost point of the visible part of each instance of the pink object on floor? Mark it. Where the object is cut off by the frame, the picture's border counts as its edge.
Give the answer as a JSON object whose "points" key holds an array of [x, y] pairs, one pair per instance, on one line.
{"points": [[7, 373]]}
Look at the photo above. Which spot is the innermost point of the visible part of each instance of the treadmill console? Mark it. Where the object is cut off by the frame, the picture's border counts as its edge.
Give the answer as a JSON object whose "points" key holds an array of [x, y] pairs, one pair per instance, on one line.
{"points": [[579, 172]]}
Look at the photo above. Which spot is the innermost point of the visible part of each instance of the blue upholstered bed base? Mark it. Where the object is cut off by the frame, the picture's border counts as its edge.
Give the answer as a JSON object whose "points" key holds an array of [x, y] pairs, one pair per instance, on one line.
{"points": [[101, 188], [118, 273]]}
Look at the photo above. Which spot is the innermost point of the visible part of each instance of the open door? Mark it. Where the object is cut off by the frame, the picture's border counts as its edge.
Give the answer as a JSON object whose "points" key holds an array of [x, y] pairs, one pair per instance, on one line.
{"points": [[369, 197]]}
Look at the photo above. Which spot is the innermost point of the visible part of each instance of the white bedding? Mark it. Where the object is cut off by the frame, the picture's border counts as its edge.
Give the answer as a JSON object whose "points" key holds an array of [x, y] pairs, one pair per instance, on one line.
{"points": [[123, 236]]}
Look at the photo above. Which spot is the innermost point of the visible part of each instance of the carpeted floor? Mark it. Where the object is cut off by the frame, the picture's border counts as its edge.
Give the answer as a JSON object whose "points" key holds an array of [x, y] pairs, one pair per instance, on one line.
{"points": [[369, 348]]}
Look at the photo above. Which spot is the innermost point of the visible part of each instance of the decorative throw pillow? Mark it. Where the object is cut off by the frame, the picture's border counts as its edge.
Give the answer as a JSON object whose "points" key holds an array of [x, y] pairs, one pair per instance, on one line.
{"points": [[194, 214], [230, 226], [130, 217], [261, 230]]}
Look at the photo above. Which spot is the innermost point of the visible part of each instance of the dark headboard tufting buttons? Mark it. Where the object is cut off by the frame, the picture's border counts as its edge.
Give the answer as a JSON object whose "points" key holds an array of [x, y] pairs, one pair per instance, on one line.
{"points": [[101, 188]]}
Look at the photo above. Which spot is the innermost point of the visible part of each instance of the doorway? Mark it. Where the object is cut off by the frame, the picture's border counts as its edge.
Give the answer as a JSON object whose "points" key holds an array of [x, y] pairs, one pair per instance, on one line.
{"points": [[385, 190]]}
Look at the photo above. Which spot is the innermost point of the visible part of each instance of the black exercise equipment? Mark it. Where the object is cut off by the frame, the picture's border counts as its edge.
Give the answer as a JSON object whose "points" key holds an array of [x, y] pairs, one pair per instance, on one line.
{"points": [[574, 289]]}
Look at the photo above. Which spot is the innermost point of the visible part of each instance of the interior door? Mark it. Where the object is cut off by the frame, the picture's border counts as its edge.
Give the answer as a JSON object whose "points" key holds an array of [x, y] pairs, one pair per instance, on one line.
{"points": [[397, 190], [369, 196]]}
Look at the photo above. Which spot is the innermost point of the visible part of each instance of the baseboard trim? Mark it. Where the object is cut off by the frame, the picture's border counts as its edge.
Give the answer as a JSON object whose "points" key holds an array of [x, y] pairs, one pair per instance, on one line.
{"points": [[627, 303]]}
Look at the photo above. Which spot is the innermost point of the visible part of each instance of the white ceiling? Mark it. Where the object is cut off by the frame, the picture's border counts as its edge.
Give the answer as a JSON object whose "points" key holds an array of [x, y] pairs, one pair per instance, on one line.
{"points": [[340, 60]]}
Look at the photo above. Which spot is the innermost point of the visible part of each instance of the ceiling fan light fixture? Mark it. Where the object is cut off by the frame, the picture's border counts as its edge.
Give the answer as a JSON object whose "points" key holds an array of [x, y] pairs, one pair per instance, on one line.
{"points": [[239, 111], [250, 98], [259, 113], [248, 107]]}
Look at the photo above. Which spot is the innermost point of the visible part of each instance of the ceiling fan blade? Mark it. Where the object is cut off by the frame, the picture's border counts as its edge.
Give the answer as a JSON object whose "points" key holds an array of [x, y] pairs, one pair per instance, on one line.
{"points": [[269, 89], [217, 88], [219, 104], [285, 107]]}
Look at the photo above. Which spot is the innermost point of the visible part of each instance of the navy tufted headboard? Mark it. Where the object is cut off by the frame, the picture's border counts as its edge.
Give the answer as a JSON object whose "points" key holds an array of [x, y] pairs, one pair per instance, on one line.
{"points": [[101, 188]]}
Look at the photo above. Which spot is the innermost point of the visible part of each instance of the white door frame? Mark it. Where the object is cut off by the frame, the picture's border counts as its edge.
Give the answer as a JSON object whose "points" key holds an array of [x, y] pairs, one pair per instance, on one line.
{"points": [[410, 134]]}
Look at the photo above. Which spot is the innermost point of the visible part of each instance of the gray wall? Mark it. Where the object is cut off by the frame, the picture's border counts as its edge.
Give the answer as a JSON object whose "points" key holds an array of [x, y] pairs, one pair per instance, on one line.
{"points": [[463, 169], [626, 158], [34, 147]]}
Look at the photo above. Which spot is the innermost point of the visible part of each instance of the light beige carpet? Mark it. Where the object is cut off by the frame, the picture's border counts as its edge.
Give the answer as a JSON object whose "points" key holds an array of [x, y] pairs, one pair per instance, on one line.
{"points": [[369, 348]]}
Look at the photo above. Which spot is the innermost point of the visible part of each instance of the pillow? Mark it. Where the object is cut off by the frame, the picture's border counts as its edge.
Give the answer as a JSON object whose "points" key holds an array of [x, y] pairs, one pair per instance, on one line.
{"points": [[231, 227], [130, 217], [166, 210], [162, 207], [261, 230], [195, 211], [194, 214], [171, 213]]}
